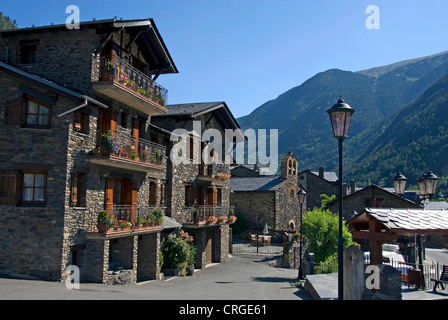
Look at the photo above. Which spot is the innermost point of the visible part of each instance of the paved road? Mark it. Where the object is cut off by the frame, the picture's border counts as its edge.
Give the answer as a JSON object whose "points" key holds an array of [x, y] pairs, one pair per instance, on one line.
{"points": [[437, 255], [243, 277]]}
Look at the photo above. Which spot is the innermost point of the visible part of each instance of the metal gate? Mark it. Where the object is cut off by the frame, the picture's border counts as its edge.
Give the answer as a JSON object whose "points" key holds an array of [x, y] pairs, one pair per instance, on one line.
{"points": [[263, 245]]}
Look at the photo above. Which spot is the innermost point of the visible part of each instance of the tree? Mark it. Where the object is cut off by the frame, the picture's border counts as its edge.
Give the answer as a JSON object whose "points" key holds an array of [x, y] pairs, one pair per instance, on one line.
{"points": [[320, 226]]}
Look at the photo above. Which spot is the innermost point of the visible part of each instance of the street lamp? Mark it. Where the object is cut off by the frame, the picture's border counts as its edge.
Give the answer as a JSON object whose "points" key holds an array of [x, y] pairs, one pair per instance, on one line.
{"points": [[430, 180], [399, 182], [302, 196], [340, 116], [427, 185]]}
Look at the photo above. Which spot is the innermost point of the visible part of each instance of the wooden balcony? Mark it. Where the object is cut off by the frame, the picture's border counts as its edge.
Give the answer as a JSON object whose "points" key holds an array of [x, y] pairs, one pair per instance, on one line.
{"points": [[119, 149], [124, 215], [126, 84], [209, 172]]}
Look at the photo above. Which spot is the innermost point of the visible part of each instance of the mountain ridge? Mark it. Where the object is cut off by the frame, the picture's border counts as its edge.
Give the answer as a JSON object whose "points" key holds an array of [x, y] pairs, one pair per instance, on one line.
{"points": [[376, 94]]}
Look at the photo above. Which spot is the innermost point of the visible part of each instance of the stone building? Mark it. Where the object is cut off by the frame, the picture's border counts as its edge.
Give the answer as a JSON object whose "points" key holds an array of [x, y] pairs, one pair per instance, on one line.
{"points": [[76, 109], [199, 182], [369, 197], [268, 199], [317, 183]]}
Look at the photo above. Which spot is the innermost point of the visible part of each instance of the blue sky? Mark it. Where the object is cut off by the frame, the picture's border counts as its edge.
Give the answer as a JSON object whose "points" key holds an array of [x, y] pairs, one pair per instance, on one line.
{"points": [[246, 52]]}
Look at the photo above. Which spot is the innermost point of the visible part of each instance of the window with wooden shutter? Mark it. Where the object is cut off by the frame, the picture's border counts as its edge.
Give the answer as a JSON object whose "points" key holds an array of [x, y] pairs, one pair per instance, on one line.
{"points": [[152, 193], [13, 111], [189, 196], [33, 187], [162, 194], [36, 113], [8, 187], [78, 190]]}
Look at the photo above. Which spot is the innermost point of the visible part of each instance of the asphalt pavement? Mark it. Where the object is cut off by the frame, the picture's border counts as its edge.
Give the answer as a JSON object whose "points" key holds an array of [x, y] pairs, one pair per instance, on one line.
{"points": [[243, 277]]}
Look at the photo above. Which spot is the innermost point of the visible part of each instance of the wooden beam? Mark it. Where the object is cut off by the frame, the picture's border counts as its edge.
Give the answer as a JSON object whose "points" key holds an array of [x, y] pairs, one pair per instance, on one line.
{"points": [[383, 236]]}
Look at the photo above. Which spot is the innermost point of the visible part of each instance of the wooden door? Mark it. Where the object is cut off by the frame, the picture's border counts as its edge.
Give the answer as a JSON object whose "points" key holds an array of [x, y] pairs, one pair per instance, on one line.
{"points": [[209, 248]]}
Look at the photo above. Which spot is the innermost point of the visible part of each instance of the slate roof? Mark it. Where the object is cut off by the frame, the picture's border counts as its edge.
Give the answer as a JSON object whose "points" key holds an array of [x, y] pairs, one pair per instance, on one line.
{"points": [[328, 175], [411, 219], [261, 183], [190, 108], [170, 223]]}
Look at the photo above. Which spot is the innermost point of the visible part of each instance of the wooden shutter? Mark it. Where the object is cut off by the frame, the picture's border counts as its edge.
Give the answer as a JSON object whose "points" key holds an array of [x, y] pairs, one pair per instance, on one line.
{"points": [[215, 197], [109, 196], [134, 200], [162, 195], [153, 193], [8, 188], [74, 192], [210, 196], [201, 196], [13, 114]]}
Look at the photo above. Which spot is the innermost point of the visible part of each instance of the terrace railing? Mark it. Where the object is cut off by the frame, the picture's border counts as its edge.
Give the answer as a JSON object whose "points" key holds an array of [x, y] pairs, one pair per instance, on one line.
{"points": [[130, 78]]}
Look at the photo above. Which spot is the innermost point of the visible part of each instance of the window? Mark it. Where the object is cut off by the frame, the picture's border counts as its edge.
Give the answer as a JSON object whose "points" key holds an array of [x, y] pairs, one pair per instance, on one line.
{"points": [[152, 193], [36, 114], [28, 51], [78, 190], [33, 187], [189, 196], [81, 122], [7, 187]]}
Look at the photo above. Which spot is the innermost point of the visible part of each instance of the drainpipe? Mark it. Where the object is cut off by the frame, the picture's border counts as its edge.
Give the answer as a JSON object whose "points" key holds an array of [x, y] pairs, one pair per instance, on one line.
{"points": [[74, 109]]}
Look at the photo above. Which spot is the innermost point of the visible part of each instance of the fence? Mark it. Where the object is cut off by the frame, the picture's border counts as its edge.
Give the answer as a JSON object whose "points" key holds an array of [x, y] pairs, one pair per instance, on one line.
{"points": [[258, 244]]}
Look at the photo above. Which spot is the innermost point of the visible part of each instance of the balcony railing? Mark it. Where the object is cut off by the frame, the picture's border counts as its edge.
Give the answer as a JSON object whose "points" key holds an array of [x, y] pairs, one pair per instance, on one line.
{"points": [[213, 170], [205, 212], [123, 145], [126, 218], [129, 78]]}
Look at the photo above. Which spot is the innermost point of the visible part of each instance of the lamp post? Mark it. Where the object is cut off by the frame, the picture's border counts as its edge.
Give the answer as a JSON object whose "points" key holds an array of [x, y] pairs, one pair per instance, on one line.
{"points": [[399, 182], [340, 116], [427, 185], [302, 196]]}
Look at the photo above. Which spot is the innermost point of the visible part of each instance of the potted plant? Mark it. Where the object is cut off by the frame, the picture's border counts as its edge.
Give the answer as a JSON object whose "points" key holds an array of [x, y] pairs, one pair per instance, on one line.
{"points": [[152, 159], [159, 156], [211, 220], [102, 222], [196, 216], [124, 225], [158, 217], [107, 143], [222, 219], [144, 155], [135, 155], [152, 219], [109, 67], [231, 219], [178, 253]]}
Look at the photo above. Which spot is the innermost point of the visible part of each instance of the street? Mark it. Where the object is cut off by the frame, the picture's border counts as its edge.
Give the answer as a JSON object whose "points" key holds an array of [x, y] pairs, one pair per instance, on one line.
{"points": [[438, 255], [243, 277]]}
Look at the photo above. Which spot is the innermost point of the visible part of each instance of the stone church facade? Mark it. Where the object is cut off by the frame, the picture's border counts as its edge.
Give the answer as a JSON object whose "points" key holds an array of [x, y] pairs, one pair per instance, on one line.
{"points": [[268, 199]]}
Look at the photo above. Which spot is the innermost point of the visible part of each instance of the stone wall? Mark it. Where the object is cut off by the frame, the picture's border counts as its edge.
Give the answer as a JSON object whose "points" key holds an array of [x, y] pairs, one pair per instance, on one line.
{"points": [[258, 207], [31, 235]]}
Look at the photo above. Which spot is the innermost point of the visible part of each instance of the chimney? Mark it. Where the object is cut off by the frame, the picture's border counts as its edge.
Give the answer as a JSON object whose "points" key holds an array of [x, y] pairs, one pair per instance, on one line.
{"points": [[352, 186], [321, 172]]}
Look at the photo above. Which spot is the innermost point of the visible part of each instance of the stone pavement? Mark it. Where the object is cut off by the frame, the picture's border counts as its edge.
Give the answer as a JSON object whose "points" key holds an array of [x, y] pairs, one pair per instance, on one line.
{"points": [[325, 287]]}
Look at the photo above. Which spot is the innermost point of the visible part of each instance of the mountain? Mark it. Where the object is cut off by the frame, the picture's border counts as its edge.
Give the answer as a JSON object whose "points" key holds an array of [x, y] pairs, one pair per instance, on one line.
{"points": [[413, 140], [376, 94], [6, 23]]}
